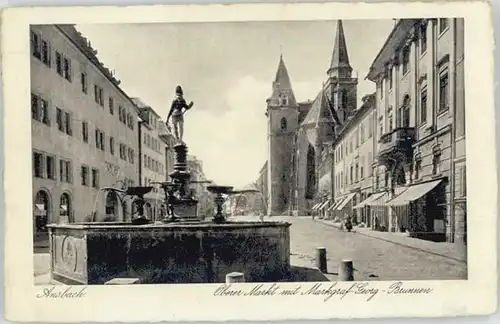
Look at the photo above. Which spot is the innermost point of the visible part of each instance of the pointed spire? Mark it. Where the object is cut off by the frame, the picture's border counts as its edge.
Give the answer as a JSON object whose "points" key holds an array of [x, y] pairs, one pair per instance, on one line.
{"points": [[282, 87], [340, 66]]}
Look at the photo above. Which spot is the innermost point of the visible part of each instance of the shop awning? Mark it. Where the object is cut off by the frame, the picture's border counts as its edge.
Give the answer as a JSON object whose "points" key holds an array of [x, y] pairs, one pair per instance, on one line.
{"points": [[385, 197], [323, 205], [316, 206], [369, 200], [347, 199], [413, 193], [335, 204]]}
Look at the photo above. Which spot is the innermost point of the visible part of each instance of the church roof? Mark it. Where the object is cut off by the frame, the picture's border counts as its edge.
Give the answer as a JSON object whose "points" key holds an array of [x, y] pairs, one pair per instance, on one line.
{"points": [[340, 58], [320, 112], [282, 83]]}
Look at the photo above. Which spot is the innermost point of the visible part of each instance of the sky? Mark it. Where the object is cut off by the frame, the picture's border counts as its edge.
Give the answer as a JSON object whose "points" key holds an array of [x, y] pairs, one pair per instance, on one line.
{"points": [[227, 69]]}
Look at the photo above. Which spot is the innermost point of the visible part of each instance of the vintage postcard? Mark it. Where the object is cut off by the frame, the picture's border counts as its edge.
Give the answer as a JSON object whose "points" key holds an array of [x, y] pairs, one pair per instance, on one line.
{"points": [[203, 162]]}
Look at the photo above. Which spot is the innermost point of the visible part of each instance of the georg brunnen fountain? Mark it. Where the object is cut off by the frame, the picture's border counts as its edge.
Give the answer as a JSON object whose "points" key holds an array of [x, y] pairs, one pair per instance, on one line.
{"points": [[181, 248]]}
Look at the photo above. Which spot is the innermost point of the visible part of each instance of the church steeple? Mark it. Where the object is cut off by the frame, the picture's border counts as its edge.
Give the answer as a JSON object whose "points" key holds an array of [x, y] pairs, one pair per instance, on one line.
{"points": [[340, 66], [282, 87]]}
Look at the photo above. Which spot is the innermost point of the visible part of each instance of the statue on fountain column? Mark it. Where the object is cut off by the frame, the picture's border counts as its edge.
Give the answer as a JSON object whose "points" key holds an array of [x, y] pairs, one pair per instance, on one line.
{"points": [[177, 113]]}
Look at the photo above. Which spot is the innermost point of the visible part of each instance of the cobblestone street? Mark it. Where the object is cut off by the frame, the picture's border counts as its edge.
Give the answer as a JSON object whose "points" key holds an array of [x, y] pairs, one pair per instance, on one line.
{"points": [[373, 259]]}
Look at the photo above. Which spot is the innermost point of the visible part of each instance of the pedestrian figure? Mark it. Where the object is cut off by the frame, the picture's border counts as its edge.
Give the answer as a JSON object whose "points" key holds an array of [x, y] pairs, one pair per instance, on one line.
{"points": [[348, 223], [177, 113]]}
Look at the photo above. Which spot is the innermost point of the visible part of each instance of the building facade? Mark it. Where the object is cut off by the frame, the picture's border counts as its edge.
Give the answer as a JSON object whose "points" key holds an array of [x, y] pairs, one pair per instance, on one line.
{"points": [[420, 124], [353, 155], [152, 159], [395, 164], [77, 106]]}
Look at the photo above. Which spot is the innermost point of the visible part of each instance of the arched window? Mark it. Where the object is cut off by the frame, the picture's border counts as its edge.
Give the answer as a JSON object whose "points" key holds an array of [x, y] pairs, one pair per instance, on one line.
{"points": [[65, 209], [41, 211], [148, 211], [344, 98], [111, 208], [283, 124]]}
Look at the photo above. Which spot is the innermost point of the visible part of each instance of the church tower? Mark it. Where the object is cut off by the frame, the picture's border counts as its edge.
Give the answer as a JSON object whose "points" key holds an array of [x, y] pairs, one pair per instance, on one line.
{"points": [[341, 87], [282, 120]]}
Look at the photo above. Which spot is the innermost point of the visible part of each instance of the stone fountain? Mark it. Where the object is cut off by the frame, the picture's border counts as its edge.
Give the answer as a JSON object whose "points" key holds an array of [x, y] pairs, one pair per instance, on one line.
{"points": [[182, 248]]}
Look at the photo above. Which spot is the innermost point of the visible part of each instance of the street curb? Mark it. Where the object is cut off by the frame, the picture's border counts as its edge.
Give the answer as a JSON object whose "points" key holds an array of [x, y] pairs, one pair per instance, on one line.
{"points": [[397, 243]]}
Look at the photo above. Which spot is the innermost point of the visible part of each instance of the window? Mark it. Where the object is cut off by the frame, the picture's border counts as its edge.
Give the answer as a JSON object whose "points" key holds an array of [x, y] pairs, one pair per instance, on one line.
{"points": [[405, 112], [463, 182], [51, 167], [59, 119], [59, 64], [390, 78], [38, 168], [443, 90], [85, 132], [423, 106], [390, 123], [67, 69], [436, 163], [381, 129], [98, 95], [131, 155], [97, 138], [123, 154], [40, 109], [352, 174], [65, 171], [418, 167], [344, 101], [112, 145], [101, 141], [361, 169], [130, 121], [423, 38], [357, 172], [35, 45], [382, 89], [443, 24], [111, 105], [84, 174], [283, 124], [95, 178], [68, 124], [84, 82], [406, 59], [45, 52], [122, 115]]}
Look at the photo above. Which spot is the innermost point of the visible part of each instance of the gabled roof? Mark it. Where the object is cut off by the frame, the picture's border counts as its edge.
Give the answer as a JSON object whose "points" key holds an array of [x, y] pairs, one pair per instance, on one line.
{"points": [[321, 112]]}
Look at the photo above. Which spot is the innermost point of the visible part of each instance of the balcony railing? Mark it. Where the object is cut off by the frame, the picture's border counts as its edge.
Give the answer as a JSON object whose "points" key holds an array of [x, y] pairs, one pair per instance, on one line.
{"points": [[399, 139]]}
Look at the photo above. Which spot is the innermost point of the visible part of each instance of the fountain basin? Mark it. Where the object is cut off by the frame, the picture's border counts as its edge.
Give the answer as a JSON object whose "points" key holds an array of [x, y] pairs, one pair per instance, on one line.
{"points": [[182, 252]]}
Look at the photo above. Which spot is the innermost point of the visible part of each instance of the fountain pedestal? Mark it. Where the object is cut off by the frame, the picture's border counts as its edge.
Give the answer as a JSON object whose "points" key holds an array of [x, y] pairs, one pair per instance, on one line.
{"points": [[185, 207], [178, 252]]}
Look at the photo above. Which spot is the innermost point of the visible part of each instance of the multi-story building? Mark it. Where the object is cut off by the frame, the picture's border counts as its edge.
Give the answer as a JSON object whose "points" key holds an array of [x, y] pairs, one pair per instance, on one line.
{"points": [[420, 124], [84, 134], [353, 155], [152, 159]]}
